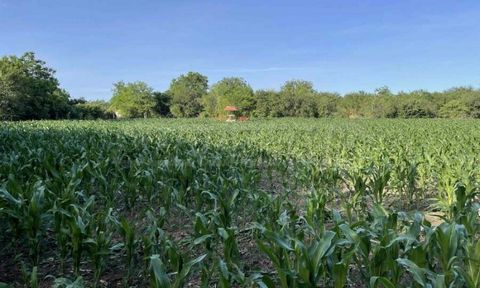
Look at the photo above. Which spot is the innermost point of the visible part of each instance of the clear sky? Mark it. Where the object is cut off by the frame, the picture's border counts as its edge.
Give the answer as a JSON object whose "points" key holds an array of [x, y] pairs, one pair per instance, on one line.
{"points": [[339, 45]]}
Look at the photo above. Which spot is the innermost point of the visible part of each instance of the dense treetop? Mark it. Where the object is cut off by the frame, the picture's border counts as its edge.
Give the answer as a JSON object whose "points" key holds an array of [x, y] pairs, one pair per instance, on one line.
{"points": [[29, 90], [132, 100], [232, 91], [186, 92]]}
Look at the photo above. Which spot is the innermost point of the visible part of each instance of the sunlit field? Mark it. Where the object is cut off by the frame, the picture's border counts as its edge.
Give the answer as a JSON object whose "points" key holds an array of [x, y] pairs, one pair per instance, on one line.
{"points": [[261, 203]]}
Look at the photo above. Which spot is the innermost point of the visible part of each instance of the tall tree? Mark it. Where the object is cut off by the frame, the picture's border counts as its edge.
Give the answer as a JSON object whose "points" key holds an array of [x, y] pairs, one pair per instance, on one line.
{"points": [[267, 104], [187, 92], [416, 104], [454, 109], [132, 100], [298, 97], [326, 104], [91, 110], [380, 104], [356, 104], [10, 103], [232, 91], [29, 89], [162, 103]]}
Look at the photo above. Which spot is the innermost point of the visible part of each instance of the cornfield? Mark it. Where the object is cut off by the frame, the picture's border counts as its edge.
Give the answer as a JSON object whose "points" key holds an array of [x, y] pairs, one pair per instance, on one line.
{"points": [[265, 203]]}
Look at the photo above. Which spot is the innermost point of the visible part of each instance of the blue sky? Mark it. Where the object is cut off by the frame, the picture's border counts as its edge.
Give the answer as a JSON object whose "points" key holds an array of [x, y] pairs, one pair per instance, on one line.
{"points": [[339, 45]]}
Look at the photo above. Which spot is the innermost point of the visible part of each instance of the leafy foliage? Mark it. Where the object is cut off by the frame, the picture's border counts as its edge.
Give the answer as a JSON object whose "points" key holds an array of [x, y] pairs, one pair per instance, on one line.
{"points": [[229, 92], [187, 91], [29, 90], [265, 203], [132, 100]]}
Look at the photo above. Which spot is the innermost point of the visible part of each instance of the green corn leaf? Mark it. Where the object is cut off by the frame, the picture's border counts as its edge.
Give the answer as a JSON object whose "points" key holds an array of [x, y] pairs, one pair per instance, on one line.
{"points": [[375, 281], [201, 239], [340, 273], [322, 248], [160, 276], [223, 233], [279, 240], [182, 275], [419, 274]]}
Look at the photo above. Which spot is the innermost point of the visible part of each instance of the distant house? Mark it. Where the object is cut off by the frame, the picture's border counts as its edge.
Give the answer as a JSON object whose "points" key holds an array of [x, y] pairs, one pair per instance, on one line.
{"points": [[231, 117], [117, 114]]}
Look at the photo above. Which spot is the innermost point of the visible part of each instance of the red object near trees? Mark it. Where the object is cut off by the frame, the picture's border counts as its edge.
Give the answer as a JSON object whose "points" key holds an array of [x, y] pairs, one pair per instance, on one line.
{"points": [[230, 108]]}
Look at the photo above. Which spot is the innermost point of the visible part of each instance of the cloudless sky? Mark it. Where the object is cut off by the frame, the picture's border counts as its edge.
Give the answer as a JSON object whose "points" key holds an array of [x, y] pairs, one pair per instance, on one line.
{"points": [[340, 46]]}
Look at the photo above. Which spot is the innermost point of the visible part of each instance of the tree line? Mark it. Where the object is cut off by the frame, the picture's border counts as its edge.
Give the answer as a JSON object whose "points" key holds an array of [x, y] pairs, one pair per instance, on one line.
{"points": [[29, 90]]}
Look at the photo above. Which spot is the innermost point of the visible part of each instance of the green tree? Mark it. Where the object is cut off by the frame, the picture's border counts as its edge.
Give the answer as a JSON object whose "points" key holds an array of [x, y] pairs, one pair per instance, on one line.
{"points": [[416, 104], [416, 108], [162, 103], [268, 103], [132, 100], [382, 104], [186, 92], [91, 110], [357, 104], [9, 101], [298, 99], [210, 105], [29, 89], [473, 104], [231, 91], [326, 104], [454, 109]]}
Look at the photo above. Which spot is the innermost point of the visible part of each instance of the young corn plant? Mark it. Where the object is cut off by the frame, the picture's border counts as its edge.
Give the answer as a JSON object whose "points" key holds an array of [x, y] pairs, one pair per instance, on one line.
{"points": [[34, 220], [298, 263], [407, 174], [130, 187], [446, 244], [218, 223], [278, 249], [210, 233], [27, 211], [160, 277], [354, 202], [371, 246], [79, 231], [448, 188], [127, 231], [236, 277], [231, 253], [30, 277], [61, 218], [424, 277], [470, 271], [67, 283], [312, 258], [379, 179], [99, 244], [154, 236], [316, 214], [12, 209]]}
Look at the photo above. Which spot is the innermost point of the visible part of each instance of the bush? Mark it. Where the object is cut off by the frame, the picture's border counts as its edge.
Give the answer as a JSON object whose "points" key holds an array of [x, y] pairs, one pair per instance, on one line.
{"points": [[92, 110], [416, 108]]}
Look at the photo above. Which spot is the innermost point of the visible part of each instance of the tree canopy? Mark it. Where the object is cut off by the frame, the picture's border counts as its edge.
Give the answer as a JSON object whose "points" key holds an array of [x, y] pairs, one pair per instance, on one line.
{"points": [[132, 100], [29, 89], [231, 91], [298, 98], [91, 110], [187, 91], [162, 103]]}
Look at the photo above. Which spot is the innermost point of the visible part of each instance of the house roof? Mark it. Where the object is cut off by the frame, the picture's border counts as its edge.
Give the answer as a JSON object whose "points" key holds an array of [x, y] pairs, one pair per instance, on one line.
{"points": [[230, 108]]}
